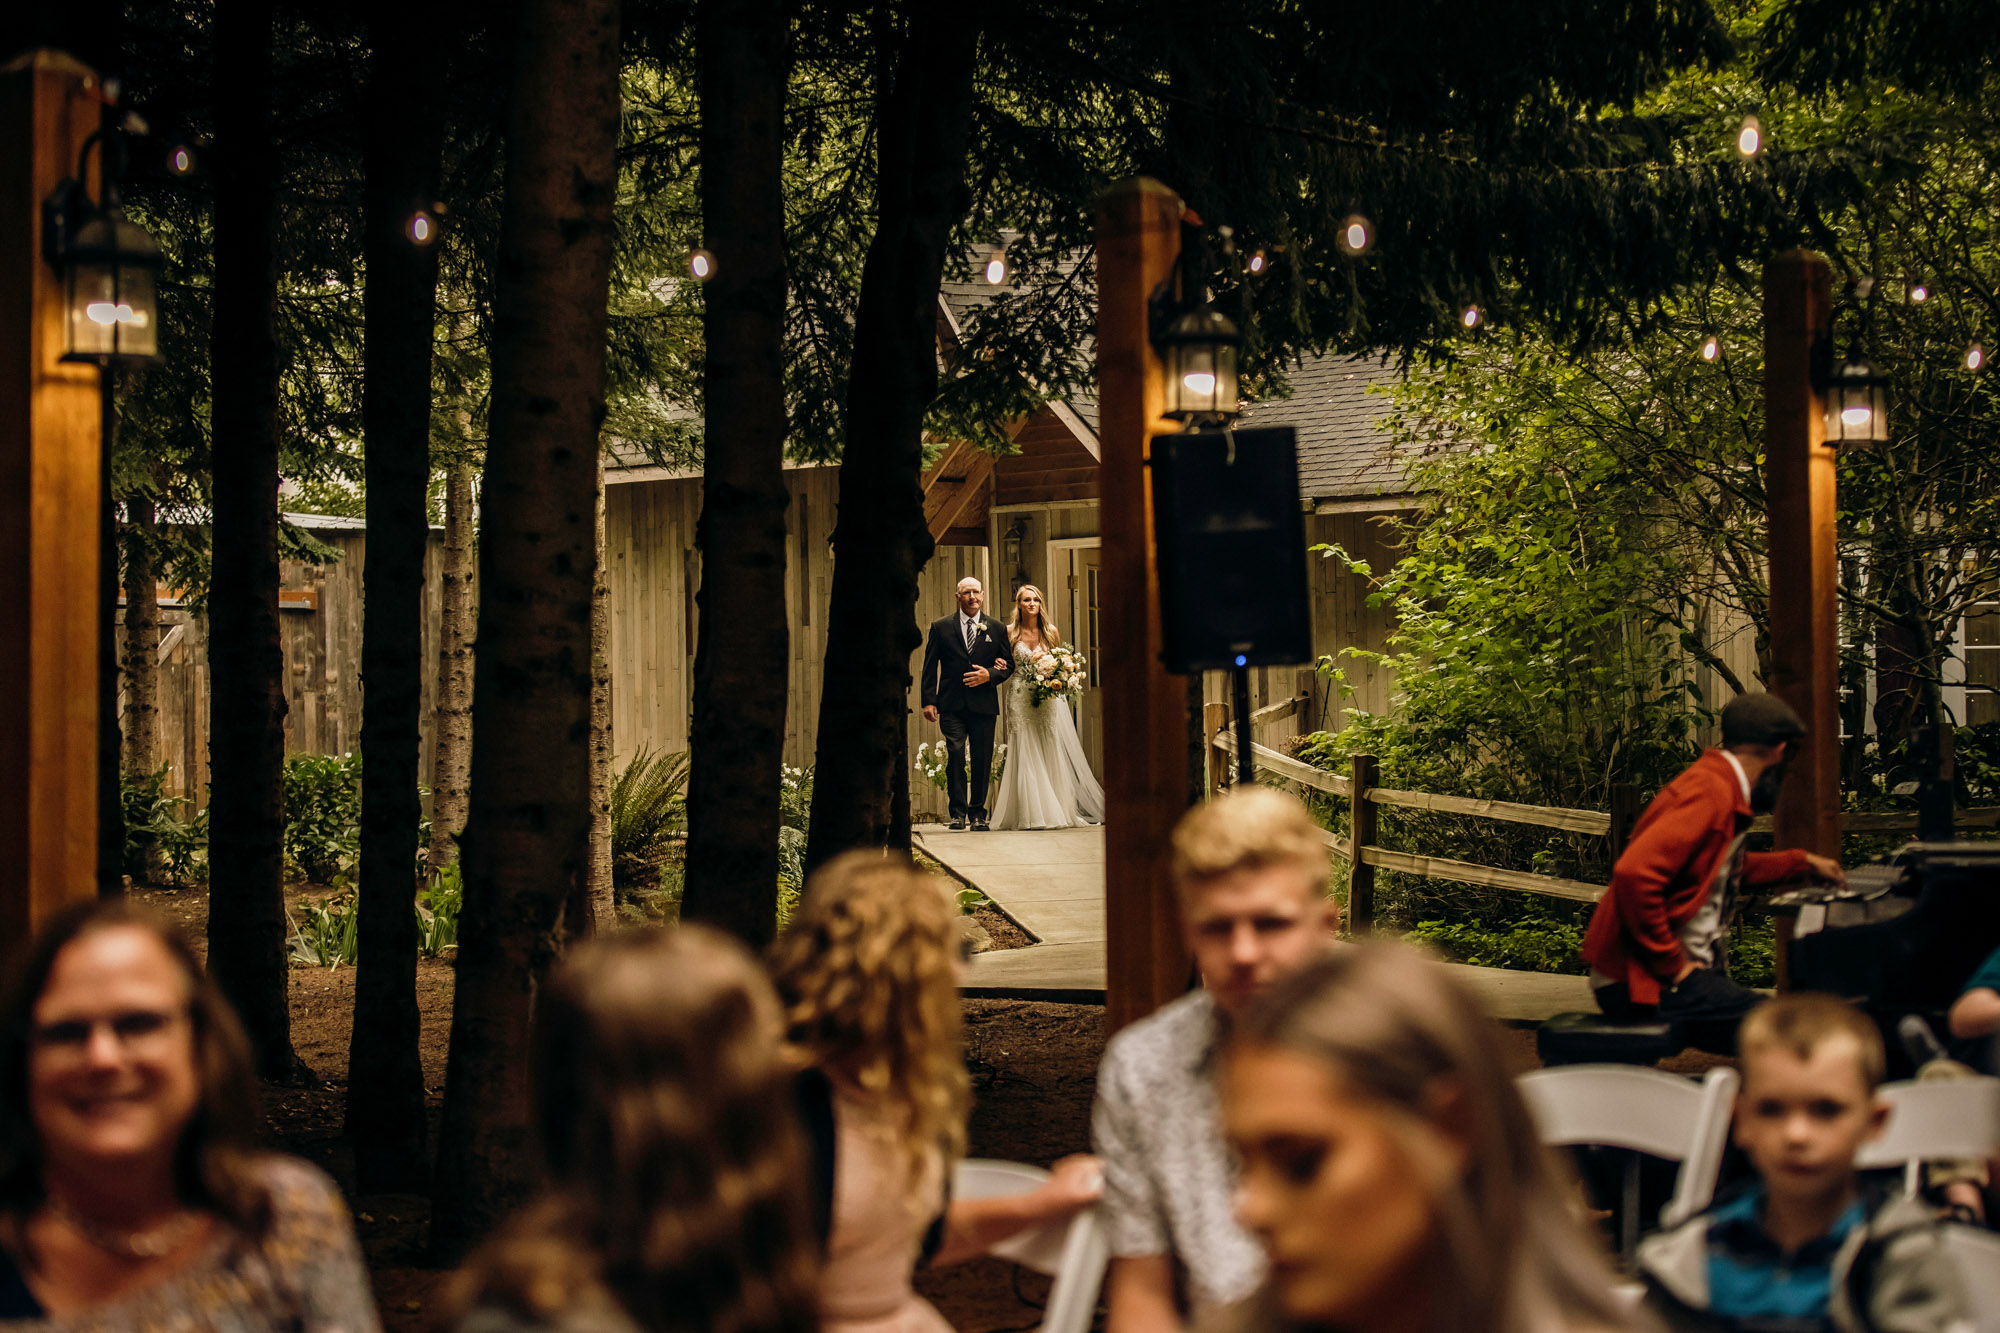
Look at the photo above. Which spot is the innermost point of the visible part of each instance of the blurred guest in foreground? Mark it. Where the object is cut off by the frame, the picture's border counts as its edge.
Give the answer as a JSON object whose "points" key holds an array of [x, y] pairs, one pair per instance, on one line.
{"points": [[1389, 1167], [869, 973], [677, 1177], [131, 1193]]}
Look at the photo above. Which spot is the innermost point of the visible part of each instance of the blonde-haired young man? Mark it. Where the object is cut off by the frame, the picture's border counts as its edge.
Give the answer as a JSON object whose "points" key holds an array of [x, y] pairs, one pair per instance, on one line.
{"points": [[1801, 1247], [1250, 873]]}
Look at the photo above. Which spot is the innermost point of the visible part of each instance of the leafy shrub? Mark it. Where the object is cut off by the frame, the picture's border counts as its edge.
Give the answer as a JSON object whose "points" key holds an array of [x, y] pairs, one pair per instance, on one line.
{"points": [[932, 757], [1534, 944], [437, 912], [795, 797], [322, 816], [329, 935], [152, 826], [1753, 951], [648, 815], [791, 870]]}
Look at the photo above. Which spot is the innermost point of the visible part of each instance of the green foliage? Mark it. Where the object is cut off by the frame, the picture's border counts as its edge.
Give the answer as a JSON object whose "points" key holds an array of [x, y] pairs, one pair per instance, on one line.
{"points": [[1530, 943], [791, 870], [795, 797], [970, 900], [1753, 951], [437, 911], [152, 822], [322, 816], [648, 818], [327, 934], [932, 757]]}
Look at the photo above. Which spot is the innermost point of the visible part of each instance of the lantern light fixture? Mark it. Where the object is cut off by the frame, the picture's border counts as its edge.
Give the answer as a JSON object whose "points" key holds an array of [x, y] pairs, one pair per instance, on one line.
{"points": [[110, 267], [1200, 349], [1750, 136], [1711, 348], [1857, 405]]}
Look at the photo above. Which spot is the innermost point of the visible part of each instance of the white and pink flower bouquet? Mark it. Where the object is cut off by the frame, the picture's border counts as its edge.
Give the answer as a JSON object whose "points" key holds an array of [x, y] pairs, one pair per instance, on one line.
{"points": [[1055, 673]]}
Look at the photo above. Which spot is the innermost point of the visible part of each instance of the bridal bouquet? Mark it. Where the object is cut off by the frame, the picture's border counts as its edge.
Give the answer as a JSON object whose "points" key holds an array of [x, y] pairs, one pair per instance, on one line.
{"points": [[1055, 673]]}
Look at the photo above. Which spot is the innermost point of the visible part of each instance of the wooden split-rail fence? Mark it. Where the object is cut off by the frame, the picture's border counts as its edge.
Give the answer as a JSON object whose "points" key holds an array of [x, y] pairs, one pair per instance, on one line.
{"points": [[1364, 855]]}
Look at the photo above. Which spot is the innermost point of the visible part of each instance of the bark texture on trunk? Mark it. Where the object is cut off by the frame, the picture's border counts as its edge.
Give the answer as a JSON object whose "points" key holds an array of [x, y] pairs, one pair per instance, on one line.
{"points": [[881, 541], [139, 742], [600, 893], [451, 760], [402, 143], [741, 667], [527, 837], [246, 892]]}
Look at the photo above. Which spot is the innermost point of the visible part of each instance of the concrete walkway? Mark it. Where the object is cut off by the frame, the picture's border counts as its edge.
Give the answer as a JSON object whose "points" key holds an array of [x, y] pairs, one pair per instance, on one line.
{"points": [[1051, 882]]}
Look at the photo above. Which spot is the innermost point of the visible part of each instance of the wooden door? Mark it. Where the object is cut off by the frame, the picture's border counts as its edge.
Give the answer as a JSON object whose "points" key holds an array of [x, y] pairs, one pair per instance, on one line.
{"points": [[1081, 624]]}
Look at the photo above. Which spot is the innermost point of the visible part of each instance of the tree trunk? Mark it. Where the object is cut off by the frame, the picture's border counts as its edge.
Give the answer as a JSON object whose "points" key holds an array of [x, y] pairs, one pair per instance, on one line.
{"points": [[741, 666], [600, 894], [139, 755], [881, 541], [402, 145], [451, 760], [246, 894], [527, 837]]}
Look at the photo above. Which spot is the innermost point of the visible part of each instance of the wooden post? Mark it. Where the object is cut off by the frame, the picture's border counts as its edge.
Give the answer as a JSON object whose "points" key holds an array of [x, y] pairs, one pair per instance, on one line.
{"points": [[1213, 719], [1805, 617], [1145, 715], [1363, 772], [1624, 814], [50, 464]]}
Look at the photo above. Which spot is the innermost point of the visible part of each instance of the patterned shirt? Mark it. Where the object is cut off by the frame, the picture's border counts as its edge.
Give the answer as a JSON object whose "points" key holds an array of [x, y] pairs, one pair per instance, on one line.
{"points": [[1168, 1176]]}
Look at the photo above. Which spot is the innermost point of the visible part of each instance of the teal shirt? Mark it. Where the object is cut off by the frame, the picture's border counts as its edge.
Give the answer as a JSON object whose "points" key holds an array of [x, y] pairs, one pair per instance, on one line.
{"points": [[1988, 975], [1751, 1277]]}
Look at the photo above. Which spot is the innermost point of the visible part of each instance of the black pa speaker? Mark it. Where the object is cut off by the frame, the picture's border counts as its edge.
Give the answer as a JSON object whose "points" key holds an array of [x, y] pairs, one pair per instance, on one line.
{"points": [[1232, 549]]}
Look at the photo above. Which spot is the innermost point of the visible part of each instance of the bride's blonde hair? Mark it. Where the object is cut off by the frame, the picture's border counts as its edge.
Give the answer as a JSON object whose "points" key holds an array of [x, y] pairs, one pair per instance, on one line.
{"points": [[1044, 627]]}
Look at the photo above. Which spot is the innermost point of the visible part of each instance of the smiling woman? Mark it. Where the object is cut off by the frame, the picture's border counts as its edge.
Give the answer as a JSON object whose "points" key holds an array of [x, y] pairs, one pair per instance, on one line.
{"points": [[131, 1193]]}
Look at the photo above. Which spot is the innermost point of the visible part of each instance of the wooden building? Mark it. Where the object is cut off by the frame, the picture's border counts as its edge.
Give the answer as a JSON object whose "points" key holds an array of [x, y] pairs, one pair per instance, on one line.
{"points": [[319, 609], [1028, 517]]}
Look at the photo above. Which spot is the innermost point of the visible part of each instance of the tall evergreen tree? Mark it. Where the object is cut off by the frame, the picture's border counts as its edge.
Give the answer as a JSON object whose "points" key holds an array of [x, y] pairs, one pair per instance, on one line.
{"points": [[526, 840], [741, 666], [246, 916], [402, 144]]}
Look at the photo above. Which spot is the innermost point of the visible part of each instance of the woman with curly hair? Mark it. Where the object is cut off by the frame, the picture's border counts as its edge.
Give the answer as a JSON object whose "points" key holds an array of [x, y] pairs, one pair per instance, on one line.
{"points": [[868, 972], [677, 1175], [1389, 1166]]}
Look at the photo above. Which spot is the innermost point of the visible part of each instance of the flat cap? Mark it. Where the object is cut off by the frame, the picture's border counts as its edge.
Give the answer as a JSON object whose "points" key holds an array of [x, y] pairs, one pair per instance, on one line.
{"points": [[1760, 719]]}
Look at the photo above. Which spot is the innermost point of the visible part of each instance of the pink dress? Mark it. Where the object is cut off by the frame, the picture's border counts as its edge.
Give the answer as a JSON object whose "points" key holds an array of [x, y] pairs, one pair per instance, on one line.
{"points": [[878, 1230]]}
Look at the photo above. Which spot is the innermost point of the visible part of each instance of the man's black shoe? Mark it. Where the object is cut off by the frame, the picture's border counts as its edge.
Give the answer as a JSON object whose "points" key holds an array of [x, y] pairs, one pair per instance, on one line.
{"points": [[957, 825], [981, 826]]}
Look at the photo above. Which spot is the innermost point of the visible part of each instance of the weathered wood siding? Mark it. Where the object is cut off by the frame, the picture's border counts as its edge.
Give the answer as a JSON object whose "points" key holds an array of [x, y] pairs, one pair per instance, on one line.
{"points": [[654, 574], [320, 626]]}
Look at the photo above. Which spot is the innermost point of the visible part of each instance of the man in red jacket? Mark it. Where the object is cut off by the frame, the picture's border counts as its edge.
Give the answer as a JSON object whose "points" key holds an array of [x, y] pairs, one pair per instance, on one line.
{"points": [[1655, 944]]}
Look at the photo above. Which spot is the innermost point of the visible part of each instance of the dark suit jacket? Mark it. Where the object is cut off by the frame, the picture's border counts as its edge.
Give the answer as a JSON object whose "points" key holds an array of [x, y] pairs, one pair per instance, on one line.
{"points": [[946, 662]]}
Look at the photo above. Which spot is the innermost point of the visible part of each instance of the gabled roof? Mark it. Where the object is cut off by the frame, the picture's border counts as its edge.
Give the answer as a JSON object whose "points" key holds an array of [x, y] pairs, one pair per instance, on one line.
{"points": [[1344, 451]]}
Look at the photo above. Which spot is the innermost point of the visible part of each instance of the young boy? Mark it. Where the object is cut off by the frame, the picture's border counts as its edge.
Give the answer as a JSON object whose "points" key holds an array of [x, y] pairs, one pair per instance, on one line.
{"points": [[1800, 1249]]}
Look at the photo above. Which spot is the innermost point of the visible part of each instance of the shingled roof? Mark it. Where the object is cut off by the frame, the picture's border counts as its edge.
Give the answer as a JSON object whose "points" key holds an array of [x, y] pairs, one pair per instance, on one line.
{"points": [[1344, 451]]}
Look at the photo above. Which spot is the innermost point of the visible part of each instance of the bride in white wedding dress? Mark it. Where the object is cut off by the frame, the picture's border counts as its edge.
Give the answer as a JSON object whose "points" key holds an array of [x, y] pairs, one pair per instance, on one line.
{"points": [[1047, 782]]}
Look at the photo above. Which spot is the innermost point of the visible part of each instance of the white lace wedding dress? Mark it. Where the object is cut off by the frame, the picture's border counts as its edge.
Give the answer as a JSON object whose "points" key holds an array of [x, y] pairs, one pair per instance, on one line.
{"points": [[1047, 782]]}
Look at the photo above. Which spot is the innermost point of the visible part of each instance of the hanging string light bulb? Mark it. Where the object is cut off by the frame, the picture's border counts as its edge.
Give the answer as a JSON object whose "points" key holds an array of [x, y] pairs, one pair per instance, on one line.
{"points": [[701, 263], [1975, 357], [1470, 317], [1711, 348], [1357, 233], [1750, 136], [421, 228], [1920, 294], [1257, 262], [996, 268]]}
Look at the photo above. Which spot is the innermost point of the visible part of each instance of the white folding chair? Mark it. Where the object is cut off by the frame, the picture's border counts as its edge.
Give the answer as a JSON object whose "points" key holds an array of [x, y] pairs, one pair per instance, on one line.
{"points": [[1075, 1253], [1934, 1119], [1645, 1110]]}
